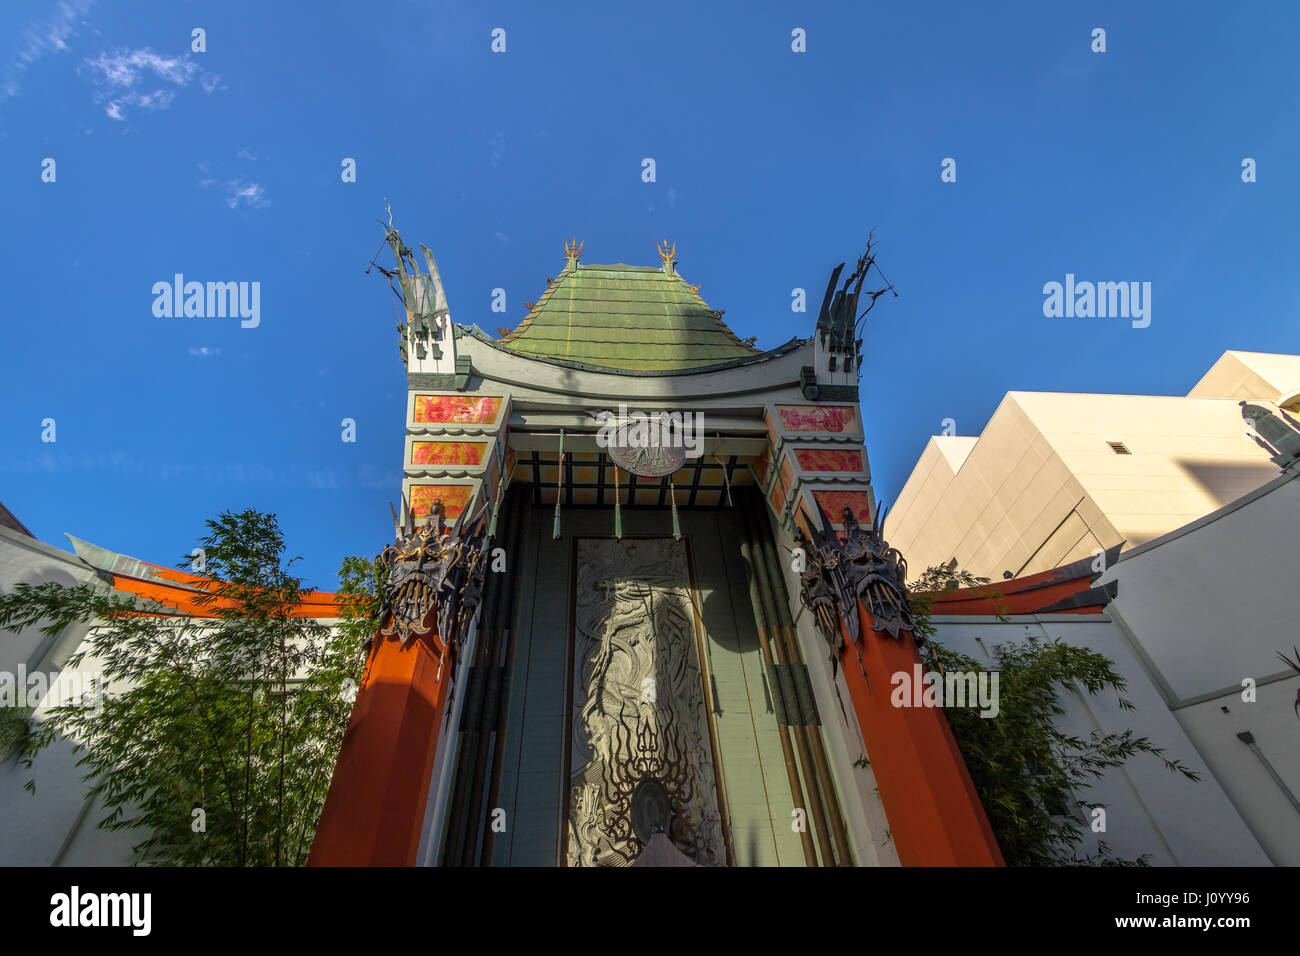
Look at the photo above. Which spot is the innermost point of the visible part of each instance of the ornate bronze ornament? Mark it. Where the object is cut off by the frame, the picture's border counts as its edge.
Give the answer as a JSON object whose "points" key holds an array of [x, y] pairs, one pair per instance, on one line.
{"points": [[432, 570], [648, 461], [839, 320], [1278, 434], [861, 567]]}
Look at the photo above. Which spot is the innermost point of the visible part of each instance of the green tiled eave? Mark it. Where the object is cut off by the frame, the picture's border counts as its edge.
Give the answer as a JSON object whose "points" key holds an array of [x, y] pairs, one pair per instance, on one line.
{"points": [[632, 318]]}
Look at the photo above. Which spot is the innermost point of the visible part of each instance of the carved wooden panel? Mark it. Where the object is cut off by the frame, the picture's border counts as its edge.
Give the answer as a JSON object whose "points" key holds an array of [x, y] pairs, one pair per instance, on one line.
{"points": [[639, 710]]}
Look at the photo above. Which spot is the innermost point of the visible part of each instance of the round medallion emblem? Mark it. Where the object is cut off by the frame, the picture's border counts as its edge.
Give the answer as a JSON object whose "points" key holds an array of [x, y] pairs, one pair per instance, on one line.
{"points": [[650, 461]]}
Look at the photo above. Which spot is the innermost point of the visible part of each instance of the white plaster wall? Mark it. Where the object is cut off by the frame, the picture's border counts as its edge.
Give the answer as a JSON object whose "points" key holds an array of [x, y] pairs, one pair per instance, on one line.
{"points": [[1149, 809], [1271, 816], [1215, 602], [1209, 606], [35, 827]]}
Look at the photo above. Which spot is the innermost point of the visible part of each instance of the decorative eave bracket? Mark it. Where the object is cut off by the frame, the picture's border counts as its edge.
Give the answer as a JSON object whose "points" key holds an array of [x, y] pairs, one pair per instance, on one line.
{"points": [[862, 567], [435, 580]]}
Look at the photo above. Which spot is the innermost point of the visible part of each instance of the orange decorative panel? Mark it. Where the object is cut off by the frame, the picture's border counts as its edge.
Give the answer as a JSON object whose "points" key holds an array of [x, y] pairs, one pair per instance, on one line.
{"points": [[454, 499], [829, 459], [817, 418], [787, 475], [447, 452], [456, 409], [833, 502]]}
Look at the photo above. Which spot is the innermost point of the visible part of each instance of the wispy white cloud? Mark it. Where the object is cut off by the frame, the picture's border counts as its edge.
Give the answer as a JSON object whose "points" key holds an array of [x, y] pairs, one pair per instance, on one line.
{"points": [[40, 37], [123, 79], [123, 69], [240, 193], [203, 351]]}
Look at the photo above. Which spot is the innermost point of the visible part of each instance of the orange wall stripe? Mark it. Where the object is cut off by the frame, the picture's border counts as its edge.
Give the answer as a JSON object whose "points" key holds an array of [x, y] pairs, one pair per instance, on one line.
{"points": [[374, 810], [934, 813], [1017, 596], [315, 604]]}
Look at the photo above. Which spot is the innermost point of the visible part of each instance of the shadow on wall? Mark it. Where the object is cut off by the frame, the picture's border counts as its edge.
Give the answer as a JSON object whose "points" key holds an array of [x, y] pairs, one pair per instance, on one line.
{"points": [[718, 612], [1226, 483], [30, 647]]}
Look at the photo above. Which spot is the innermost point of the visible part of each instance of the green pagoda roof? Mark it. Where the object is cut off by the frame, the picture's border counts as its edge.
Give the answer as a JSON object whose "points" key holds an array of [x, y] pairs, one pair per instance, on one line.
{"points": [[632, 318]]}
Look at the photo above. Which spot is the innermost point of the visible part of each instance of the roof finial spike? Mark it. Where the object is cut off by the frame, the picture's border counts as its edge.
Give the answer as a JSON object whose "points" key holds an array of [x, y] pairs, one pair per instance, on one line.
{"points": [[668, 256], [572, 252]]}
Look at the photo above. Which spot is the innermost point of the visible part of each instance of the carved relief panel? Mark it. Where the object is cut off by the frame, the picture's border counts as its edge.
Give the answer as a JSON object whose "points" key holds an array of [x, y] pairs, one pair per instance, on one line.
{"points": [[639, 717]]}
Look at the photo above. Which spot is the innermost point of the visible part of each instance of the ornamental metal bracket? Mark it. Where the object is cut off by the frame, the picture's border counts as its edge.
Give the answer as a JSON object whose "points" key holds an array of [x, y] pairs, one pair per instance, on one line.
{"points": [[1278, 434], [862, 567], [433, 569]]}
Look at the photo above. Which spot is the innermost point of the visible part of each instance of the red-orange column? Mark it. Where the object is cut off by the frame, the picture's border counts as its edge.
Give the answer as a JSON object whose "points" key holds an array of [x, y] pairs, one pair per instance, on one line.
{"points": [[375, 806], [934, 814]]}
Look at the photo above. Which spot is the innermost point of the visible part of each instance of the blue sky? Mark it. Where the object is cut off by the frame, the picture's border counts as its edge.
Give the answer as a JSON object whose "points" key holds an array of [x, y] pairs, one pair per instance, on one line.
{"points": [[771, 166]]}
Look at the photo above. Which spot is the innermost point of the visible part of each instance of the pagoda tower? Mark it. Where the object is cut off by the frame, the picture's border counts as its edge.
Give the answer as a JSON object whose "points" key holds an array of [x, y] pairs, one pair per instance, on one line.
{"points": [[639, 608]]}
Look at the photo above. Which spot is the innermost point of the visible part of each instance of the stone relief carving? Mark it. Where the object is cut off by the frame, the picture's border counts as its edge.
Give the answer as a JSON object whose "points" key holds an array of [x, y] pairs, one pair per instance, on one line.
{"points": [[639, 707]]}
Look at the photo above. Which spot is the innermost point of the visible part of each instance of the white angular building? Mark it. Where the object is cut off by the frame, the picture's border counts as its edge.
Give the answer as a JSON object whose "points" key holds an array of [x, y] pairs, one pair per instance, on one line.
{"points": [[1199, 604], [1057, 476]]}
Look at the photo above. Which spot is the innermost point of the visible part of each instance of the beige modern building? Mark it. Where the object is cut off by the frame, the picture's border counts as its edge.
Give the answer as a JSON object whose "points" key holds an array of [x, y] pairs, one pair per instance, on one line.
{"points": [[1055, 477]]}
